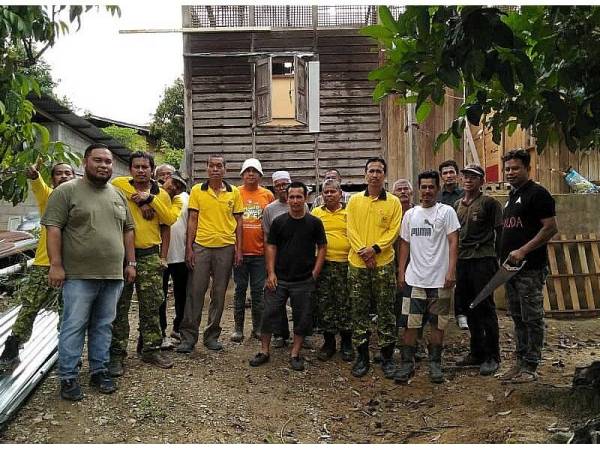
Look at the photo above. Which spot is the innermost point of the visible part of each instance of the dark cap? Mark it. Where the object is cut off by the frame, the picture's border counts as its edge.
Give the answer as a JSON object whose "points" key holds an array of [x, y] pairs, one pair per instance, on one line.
{"points": [[474, 169], [178, 177]]}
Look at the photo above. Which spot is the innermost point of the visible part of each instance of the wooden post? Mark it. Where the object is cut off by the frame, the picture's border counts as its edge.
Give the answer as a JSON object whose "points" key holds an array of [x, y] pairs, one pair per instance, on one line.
{"points": [[188, 158], [253, 83]]}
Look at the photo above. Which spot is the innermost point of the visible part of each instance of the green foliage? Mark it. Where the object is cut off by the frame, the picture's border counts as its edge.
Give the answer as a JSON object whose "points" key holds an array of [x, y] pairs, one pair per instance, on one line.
{"points": [[537, 67], [26, 32], [169, 155], [127, 136], [167, 124]]}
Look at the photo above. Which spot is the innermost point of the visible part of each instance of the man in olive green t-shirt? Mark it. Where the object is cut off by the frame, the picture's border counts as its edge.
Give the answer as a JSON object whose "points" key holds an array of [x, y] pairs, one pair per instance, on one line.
{"points": [[90, 234]]}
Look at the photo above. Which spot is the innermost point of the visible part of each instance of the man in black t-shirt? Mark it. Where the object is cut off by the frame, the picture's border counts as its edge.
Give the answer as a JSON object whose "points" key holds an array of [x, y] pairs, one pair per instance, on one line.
{"points": [[529, 222], [295, 253]]}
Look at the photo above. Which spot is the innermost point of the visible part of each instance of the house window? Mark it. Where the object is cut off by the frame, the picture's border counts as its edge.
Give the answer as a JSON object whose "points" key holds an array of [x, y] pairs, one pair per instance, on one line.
{"points": [[281, 91]]}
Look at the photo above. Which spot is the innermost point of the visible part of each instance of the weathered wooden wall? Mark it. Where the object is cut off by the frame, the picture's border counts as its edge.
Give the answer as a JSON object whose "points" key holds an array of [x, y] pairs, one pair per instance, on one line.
{"points": [[407, 157], [222, 109], [411, 151]]}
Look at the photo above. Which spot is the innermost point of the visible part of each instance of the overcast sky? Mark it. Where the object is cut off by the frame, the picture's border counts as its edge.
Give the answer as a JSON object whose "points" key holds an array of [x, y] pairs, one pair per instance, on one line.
{"points": [[119, 76]]}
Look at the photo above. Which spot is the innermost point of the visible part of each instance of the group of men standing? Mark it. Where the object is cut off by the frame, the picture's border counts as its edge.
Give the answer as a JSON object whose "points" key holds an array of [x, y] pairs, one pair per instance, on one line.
{"points": [[349, 259]]}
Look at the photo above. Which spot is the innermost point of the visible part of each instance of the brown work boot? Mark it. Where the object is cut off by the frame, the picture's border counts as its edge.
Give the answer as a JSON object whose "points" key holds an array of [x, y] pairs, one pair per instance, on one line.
{"points": [[511, 373], [157, 359]]}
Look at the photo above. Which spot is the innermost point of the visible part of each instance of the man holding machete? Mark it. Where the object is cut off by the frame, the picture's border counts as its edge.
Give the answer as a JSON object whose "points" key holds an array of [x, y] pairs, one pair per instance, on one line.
{"points": [[529, 222]]}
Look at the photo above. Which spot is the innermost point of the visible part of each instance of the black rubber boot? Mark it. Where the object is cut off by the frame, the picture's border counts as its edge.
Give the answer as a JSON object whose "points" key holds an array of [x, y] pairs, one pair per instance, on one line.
{"points": [[435, 363], [10, 356], [387, 361], [363, 363], [328, 349], [140, 345], [346, 346], [407, 364]]}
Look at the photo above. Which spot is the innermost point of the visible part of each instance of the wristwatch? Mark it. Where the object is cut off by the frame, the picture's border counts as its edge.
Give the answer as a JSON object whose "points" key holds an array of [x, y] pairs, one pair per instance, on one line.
{"points": [[132, 263]]}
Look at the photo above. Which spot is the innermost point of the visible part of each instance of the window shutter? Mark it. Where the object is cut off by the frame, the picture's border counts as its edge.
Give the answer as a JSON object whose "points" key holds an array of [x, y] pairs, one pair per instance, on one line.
{"points": [[262, 90], [300, 81]]}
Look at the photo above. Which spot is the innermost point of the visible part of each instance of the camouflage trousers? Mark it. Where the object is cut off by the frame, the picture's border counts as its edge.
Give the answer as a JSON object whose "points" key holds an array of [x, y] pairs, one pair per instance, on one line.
{"points": [[526, 306], [379, 287], [34, 294], [332, 298], [148, 287]]}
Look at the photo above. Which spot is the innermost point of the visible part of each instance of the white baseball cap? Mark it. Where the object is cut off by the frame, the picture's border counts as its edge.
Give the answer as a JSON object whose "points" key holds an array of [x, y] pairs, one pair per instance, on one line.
{"points": [[252, 162]]}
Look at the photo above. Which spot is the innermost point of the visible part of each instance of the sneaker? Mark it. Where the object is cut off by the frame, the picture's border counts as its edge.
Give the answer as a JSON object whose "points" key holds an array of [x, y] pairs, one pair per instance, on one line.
{"points": [[524, 376], [259, 359], [70, 390], [510, 373], [10, 356], [255, 335], [215, 346], [489, 367], [297, 363], [175, 335], [103, 382], [469, 361], [462, 322], [166, 344], [157, 359], [278, 342], [115, 366], [184, 347], [237, 336]]}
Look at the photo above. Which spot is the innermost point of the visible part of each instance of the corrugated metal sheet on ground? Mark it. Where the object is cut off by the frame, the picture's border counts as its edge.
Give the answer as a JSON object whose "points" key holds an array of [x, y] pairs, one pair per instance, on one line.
{"points": [[36, 358]]}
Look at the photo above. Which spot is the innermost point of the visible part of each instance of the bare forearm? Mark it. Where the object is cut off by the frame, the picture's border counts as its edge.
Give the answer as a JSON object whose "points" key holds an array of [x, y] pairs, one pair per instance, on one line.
{"points": [[192, 226], [165, 237], [270, 253], [129, 243], [320, 260], [403, 257], [54, 245], [453, 252], [239, 232]]}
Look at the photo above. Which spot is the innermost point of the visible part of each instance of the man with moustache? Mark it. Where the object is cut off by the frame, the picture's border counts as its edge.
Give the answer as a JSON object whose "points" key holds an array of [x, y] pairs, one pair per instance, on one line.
{"points": [[295, 252], [252, 269], [430, 238], [35, 293], [529, 222], [332, 284], [281, 181], [374, 218], [213, 247], [480, 218], [90, 235], [175, 185], [140, 189]]}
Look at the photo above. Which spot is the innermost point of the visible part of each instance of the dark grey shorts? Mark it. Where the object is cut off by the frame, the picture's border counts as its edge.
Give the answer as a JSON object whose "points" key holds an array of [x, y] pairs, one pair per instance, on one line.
{"points": [[300, 294]]}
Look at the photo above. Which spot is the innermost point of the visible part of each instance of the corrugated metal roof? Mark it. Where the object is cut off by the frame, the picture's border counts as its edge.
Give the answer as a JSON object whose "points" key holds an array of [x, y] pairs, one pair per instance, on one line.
{"points": [[36, 359], [52, 108]]}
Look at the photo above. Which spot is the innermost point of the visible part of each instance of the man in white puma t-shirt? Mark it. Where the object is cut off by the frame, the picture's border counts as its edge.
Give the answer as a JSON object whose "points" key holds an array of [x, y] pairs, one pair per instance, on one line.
{"points": [[429, 234]]}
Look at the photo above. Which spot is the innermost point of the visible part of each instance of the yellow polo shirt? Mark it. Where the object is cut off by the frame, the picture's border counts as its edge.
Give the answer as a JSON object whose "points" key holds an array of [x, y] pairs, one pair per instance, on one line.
{"points": [[216, 223], [147, 232], [335, 224], [41, 191], [373, 221]]}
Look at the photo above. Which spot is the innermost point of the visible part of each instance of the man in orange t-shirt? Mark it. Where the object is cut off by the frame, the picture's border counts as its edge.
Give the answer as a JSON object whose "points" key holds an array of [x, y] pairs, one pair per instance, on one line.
{"points": [[252, 269]]}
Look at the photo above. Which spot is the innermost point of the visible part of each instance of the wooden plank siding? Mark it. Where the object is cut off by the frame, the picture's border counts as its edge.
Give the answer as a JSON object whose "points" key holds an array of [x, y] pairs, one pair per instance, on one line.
{"points": [[221, 112]]}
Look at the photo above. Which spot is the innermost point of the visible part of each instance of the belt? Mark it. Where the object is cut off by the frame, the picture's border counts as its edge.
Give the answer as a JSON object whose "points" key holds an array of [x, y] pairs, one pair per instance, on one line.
{"points": [[146, 251]]}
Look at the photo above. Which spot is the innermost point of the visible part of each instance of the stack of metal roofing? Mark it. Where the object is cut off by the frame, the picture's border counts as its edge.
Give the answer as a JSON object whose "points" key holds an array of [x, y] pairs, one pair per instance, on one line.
{"points": [[36, 359]]}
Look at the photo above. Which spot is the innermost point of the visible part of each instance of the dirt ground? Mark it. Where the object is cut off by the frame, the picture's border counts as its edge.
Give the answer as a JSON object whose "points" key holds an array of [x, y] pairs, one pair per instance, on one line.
{"points": [[213, 397]]}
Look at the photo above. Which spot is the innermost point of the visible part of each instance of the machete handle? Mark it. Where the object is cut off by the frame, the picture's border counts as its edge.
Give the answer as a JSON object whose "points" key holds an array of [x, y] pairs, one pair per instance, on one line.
{"points": [[511, 268]]}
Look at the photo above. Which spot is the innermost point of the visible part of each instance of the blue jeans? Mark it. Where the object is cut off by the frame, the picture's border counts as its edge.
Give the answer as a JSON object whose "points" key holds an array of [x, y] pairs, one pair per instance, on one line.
{"points": [[88, 305], [253, 270]]}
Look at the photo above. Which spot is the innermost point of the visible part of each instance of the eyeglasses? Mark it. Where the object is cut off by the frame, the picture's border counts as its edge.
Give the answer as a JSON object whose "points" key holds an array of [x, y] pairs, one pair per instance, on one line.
{"points": [[281, 186]]}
